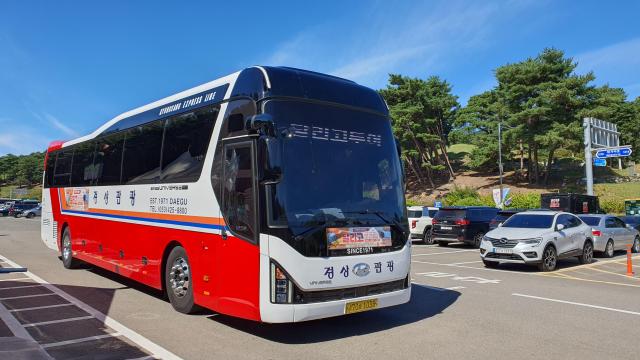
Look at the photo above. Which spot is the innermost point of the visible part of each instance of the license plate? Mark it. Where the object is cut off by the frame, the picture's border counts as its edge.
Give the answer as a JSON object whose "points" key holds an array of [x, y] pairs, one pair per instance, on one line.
{"points": [[446, 227], [502, 251], [359, 306]]}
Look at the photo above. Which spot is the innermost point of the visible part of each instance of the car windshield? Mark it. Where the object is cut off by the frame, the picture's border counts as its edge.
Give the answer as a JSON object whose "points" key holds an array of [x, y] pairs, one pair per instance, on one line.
{"points": [[337, 163], [590, 220], [529, 221]]}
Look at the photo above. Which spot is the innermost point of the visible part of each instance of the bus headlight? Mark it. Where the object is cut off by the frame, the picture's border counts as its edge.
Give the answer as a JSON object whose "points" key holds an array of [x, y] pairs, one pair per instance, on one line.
{"points": [[281, 286]]}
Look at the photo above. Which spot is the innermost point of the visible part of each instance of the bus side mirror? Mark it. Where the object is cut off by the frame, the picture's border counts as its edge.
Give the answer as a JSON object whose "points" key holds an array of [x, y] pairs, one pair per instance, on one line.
{"points": [[262, 122], [270, 170]]}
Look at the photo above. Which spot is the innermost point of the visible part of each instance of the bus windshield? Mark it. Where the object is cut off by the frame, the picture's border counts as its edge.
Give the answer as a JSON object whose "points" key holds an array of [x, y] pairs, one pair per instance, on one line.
{"points": [[337, 164]]}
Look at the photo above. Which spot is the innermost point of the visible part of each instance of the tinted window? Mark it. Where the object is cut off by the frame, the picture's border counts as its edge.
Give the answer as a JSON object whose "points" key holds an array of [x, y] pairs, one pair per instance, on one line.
{"points": [[414, 213], [529, 221], [238, 205], [141, 158], [62, 172], [82, 170], [633, 220], [51, 164], [186, 141], [108, 159], [574, 221], [432, 213], [620, 223], [591, 220], [564, 220], [450, 214]]}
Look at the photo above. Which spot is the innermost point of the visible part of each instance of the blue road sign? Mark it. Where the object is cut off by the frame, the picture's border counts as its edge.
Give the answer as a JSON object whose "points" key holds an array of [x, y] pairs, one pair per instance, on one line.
{"points": [[438, 204], [599, 162], [609, 153]]}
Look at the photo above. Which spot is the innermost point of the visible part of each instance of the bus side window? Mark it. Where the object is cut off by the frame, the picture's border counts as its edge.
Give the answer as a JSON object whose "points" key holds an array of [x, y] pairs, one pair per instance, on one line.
{"points": [[108, 160], [51, 163], [62, 172], [238, 190], [82, 168]]}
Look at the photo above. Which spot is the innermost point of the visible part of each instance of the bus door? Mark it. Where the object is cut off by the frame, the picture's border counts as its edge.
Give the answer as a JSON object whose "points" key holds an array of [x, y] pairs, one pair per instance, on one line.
{"points": [[237, 251]]}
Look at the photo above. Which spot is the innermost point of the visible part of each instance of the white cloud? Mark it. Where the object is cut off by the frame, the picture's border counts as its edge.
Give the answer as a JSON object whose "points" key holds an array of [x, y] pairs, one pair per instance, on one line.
{"points": [[59, 125], [21, 140], [423, 40], [616, 64]]}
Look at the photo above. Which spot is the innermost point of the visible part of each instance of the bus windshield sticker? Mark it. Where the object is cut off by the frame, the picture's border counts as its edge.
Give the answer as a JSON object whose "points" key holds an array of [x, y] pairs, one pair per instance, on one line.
{"points": [[358, 240]]}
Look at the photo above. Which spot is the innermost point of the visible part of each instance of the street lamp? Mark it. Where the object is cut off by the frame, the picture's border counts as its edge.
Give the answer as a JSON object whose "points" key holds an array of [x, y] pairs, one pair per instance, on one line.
{"points": [[500, 158]]}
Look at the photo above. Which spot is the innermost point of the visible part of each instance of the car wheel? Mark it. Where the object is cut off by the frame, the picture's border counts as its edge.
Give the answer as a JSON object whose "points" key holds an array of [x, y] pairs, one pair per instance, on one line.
{"points": [[636, 245], [426, 237], [608, 249], [30, 216], [443, 243], [549, 259], [587, 253], [477, 239], [67, 254], [178, 281], [490, 264]]}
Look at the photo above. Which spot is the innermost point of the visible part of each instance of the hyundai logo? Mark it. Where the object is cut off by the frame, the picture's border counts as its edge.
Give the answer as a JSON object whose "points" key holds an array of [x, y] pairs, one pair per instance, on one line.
{"points": [[361, 269], [503, 241]]}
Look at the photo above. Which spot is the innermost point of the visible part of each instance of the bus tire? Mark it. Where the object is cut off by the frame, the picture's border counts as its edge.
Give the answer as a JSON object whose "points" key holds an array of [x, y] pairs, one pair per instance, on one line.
{"points": [[178, 280], [67, 253]]}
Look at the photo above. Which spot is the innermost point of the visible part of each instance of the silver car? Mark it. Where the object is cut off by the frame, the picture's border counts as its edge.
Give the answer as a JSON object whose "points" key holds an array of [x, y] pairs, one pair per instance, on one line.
{"points": [[611, 234]]}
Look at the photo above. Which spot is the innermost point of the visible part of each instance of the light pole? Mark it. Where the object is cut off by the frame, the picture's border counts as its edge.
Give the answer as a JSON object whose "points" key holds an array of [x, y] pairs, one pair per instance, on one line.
{"points": [[500, 160]]}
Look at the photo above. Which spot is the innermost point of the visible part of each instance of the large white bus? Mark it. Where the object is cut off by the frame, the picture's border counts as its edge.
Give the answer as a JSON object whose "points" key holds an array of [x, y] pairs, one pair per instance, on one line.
{"points": [[273, 194]]}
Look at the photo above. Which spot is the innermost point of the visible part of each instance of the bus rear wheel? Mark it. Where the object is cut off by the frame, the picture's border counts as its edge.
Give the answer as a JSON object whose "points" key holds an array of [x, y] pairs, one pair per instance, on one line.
{"points": [[67, 254], [178, 281]]}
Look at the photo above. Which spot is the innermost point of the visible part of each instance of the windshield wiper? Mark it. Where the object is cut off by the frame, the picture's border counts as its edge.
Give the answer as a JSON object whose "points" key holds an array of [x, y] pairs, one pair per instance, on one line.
{"points": [[380, 214]]}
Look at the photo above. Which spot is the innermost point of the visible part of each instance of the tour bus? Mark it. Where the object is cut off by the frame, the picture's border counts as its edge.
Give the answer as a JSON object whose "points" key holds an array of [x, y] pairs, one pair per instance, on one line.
{"points": [[272, 194]]}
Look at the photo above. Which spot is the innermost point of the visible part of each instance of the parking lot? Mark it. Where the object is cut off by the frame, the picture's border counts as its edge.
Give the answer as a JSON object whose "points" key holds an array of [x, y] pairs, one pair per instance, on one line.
{"points": [[459, 309]]}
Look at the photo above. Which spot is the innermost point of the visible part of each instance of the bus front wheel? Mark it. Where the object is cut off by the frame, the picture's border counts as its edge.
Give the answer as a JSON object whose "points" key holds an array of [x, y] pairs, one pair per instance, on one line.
{"points": [[178, 281], [67, 254]]}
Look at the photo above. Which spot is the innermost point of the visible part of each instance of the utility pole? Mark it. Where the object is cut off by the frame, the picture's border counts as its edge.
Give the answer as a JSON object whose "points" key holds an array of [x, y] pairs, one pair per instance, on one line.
{"points": [[588, 160], [500, 158]]}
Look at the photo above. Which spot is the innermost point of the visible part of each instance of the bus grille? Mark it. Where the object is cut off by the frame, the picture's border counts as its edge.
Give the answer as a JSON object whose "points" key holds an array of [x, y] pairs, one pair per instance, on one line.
{"points": [[307, 297]]}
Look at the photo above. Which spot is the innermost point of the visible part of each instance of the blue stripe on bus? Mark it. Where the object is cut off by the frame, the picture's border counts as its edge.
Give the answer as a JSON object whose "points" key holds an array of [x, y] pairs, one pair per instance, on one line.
{"points": [[172, 222]]}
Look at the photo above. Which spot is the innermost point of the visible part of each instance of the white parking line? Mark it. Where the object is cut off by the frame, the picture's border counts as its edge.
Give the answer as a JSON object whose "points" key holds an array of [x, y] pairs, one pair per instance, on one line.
{"points": [[475, 268], [58, 321], [41, 307], [466, 262], [26, 296], [578, 304], [445, 252], [15, 279], [151, 347], [20, 287], [75, 341], [456, 287]]}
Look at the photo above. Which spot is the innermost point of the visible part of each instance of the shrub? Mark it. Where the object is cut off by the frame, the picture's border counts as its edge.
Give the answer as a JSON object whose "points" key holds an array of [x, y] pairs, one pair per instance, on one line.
{"points": [[524, 201], [612, 206]]}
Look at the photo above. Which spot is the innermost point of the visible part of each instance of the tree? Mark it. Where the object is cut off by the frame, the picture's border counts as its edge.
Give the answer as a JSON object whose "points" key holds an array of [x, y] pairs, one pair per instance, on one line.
{"points": [[422, 113], [538, 100]]}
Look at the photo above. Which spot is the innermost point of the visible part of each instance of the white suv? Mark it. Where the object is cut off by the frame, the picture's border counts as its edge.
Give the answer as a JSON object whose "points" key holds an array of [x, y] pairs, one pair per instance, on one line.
{"points": [[538, 237], [420, 221]]}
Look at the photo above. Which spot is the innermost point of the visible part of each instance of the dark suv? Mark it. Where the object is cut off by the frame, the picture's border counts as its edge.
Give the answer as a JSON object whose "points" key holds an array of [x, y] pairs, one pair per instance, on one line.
{"points": [[465, 223], [16, 209]]}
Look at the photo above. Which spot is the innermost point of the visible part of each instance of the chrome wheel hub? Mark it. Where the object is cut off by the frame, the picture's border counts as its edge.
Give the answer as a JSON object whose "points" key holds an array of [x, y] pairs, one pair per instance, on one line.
{"points": [[588, 253], [66, 248], [550, 258], [179, 277], [610, 248]]}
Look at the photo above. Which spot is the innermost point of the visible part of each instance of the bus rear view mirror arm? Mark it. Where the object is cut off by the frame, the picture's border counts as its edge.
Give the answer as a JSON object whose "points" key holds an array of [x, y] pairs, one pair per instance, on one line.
{"points": [[262, 122]]}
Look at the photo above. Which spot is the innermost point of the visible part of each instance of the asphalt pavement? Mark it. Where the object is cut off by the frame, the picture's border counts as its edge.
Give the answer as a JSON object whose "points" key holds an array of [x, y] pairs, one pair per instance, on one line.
{"points": [[459, 310]]}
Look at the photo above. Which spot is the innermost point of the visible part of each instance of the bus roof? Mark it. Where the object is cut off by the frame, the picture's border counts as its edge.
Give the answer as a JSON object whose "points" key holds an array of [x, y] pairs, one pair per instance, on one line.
{"points": [[259, 83]]}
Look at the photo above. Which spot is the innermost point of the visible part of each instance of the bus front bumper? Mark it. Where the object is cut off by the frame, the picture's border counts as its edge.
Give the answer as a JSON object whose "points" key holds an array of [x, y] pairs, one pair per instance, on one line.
{"points": [[281, 313]]}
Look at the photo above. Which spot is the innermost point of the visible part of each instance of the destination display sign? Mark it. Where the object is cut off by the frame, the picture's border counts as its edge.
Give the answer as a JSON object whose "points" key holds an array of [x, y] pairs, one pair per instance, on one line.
{"points": [[616, 152]]}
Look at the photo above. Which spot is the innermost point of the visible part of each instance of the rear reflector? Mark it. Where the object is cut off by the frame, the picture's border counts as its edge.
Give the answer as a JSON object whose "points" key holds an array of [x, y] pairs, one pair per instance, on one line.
{"points": [[413, 223]]}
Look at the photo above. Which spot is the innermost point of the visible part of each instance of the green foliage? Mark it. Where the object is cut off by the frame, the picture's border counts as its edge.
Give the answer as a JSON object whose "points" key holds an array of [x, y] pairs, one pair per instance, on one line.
{"points": [[422, 112], [22, 169], [524, 201], [467, 196], [612, 206]]}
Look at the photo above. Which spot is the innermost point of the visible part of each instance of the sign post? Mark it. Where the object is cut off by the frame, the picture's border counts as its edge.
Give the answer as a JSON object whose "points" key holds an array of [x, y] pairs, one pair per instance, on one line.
{"points": [[605, 138]]}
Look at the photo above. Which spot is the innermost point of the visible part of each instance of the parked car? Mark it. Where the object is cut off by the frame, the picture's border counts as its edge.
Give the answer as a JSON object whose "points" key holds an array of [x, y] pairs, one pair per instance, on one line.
{"points": [[611, 234], [540, 238], [31, 213], [19, 206], [462, 224], [502, 216], [633, 220], [420, 218]]}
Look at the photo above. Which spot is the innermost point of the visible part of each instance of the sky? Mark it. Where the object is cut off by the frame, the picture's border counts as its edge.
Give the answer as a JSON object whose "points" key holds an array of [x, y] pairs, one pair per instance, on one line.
{"points": [[67, 67]]}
